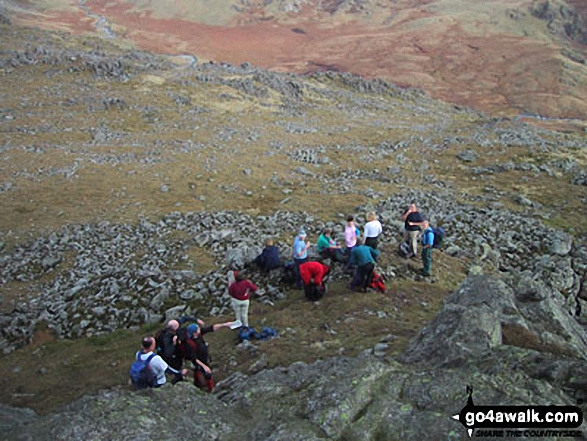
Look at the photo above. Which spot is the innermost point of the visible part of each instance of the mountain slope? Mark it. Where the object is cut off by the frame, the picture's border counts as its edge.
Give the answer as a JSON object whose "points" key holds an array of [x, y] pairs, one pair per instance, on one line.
{"points": [[500, 56]]}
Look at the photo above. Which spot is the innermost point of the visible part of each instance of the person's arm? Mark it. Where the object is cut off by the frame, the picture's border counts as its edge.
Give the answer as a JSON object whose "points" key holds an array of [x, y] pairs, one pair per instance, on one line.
{"points": [[353, 257], [374, 253], [170, 370], [251, 286], [218, 326], [406, 214], [203, 366]]}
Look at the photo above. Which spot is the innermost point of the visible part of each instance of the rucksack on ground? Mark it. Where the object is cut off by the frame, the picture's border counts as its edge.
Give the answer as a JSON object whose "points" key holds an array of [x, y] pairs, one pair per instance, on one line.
{"points": [[141, 374], [404, 249], [377, 282], [314, 292], [439, 235], [288, 276]]}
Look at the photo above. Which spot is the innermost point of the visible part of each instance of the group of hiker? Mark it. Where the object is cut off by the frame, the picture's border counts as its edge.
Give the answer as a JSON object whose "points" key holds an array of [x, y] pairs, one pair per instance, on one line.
{"points": [[167, 351]]}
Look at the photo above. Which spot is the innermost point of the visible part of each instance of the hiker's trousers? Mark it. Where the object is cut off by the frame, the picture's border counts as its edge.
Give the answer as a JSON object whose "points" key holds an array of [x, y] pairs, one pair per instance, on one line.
{"points": [[241, 310]]}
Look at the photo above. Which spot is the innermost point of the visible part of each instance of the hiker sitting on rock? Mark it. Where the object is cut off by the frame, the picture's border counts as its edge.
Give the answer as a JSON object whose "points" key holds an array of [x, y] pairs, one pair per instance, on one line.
{"points": [[197, 353], [300, 254], [363, 257], [328, 248], [268, 260], [156, 364], [314, 275]]}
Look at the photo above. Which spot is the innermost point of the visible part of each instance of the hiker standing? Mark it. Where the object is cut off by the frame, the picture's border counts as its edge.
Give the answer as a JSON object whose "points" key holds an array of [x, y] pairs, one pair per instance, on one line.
{"points": [[300, 254], [328, 248], [269, 258], [363, 257], [351, 232], [372, 230], [427, 246], [156, 363], [168, 341], [314, 275], [240, 291], [197, 353], [412, 221]]}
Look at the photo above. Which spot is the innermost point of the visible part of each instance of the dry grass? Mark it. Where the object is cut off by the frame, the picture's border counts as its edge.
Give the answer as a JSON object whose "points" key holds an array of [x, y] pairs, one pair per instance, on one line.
{"points": [[342, 322], [155, 127]]}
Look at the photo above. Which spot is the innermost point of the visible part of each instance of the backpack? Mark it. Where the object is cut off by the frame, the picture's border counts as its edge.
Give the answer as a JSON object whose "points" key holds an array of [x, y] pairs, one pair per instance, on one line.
{"points": [[288, 276], [181, 346], [179, 349], [377, 282], [267, 333], [439, 235], [314, 292], [246, 333], [141, 374], [404, 249]]}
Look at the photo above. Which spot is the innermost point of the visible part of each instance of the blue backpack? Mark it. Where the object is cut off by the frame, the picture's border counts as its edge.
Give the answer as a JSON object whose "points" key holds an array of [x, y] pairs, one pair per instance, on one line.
{"points": [[141, 374]]}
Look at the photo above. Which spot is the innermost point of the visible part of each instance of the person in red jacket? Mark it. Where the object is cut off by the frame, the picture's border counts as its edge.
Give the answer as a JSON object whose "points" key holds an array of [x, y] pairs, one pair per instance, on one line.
{"points": [[313, 275], [240, 291]]}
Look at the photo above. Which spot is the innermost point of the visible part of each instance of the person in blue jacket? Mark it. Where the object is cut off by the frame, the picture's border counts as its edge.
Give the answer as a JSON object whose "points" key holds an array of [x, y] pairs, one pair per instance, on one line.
{"points": [[427, 247], [269, 258]]}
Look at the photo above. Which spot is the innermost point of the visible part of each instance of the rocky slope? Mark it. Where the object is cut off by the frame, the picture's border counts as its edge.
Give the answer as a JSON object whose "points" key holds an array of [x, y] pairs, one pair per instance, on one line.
{"points": [[514, 343], [520, 57], [131, 182]]}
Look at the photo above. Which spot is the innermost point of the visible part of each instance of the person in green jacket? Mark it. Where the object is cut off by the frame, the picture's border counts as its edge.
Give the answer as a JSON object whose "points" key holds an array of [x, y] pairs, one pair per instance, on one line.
{"points": [[363, 258], [328, 248]]}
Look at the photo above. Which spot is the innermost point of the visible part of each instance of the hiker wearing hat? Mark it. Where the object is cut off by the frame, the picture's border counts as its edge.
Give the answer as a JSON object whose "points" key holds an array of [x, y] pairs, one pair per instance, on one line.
{"points": [[197, 353], [300, 254]]}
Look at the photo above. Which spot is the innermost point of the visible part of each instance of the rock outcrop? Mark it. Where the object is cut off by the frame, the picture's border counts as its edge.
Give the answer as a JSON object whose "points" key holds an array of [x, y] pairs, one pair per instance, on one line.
{"points": [[510, 347]]}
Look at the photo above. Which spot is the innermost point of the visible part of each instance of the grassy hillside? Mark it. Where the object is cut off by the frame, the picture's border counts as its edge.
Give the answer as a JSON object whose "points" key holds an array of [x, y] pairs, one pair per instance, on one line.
{"points": [[92, 132]]}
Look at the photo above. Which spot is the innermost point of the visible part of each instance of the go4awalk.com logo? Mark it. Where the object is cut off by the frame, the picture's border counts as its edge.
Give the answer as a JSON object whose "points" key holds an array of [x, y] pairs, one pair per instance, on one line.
{"points": [[519, 421]]}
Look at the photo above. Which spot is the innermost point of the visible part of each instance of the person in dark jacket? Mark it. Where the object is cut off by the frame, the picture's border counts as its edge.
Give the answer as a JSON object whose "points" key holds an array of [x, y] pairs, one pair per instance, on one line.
{"points": [[169, 341], [412, 226], [197, 353], [269, 258]]}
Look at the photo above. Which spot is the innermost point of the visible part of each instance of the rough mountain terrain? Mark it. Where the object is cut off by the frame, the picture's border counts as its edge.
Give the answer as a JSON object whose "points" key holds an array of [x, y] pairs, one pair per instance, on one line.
{"points": [[505, 57], [130, 182]]}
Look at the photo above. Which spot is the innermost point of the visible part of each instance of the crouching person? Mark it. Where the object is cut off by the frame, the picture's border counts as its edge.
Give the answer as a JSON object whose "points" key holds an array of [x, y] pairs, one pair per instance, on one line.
{"points": [[197, 353], [149, 369], [314, 276]]}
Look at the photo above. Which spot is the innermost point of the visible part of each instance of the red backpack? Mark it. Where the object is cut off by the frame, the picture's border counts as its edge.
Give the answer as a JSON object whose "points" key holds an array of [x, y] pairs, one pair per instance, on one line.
{"points": [[377, 282]]}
